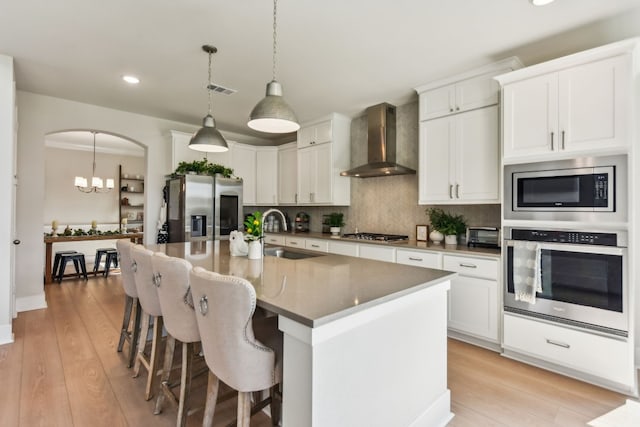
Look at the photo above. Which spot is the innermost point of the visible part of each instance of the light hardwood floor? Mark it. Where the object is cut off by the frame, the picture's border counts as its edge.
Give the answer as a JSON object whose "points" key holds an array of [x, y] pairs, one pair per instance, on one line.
{"points": [[63, 370]]}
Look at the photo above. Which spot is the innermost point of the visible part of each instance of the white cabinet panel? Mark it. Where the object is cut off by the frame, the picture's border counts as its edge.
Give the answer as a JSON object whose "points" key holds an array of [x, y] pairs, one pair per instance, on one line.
{"points": [[295, 242], [377, 252], [343, 248], [274, 239], [267, 175], [459, 158], [419, 258], [180, 152], [470, 266], [288, 173], [601, 356], [314, 134], [581, 108], [316, 245], [243, 163]]}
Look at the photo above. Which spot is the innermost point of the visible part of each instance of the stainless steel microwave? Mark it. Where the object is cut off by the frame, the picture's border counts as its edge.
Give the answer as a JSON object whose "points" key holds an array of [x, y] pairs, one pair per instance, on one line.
{"points": [[583, 189]]}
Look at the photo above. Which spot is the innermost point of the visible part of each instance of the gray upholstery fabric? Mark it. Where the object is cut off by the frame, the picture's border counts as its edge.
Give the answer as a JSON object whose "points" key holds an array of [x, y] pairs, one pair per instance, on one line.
{"points": [[128, 282], [145, 280], [173, 283], [224, 308]]}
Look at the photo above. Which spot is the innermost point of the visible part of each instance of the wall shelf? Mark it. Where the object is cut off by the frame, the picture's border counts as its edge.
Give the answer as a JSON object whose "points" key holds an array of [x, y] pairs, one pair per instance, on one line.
{"points": [[134, 202]]}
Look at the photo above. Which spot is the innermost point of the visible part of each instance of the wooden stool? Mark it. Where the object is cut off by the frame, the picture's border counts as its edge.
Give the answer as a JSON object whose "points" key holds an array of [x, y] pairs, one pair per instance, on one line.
{"points": [[78, 261]]}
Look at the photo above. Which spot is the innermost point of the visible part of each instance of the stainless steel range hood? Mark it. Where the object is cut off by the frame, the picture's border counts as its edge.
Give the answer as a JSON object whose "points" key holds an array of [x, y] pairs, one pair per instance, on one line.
{"points": [[381, 155]]}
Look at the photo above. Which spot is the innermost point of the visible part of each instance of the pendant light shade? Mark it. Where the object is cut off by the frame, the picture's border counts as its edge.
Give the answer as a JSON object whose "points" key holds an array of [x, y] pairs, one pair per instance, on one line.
{"points": [[97, 184], [208, 138], [272, 114]]}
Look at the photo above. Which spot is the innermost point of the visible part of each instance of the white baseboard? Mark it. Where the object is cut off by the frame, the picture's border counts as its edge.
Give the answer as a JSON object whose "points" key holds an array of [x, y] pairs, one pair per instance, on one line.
{"points": [[438, 414], [33, 302], [6, 334]]}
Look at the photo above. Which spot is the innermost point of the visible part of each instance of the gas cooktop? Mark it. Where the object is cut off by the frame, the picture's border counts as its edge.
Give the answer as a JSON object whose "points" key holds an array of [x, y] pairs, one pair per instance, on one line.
{"points": [[375, 236]]}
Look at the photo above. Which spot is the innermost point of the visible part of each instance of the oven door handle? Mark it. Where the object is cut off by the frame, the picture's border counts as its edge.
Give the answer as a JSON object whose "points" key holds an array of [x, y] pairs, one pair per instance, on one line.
{"points": [[570, 247]]}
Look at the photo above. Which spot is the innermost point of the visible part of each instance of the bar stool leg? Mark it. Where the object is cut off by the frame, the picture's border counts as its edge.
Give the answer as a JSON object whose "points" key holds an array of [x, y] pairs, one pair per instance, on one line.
{"points": [[124, 331], [154, 359], [185, 382], [167, 366], [212, 396], [142, 342], [244, 408], [135, 332]]}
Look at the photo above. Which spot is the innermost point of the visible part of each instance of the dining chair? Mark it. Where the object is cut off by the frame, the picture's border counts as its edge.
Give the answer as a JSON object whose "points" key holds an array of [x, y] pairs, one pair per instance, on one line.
{"points": [[145, 279], [180, 322], [242, 351], [128, 332]]}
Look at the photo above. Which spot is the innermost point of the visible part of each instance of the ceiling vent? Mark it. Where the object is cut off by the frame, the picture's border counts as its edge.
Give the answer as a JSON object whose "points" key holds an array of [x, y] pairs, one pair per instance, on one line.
{"points": [[216, 88]]}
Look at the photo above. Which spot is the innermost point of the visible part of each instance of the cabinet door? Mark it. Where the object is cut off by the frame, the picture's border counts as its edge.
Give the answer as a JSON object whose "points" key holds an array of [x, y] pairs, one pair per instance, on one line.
{"points": [[437, 102], [477, 92], [530, 118], [473, 306], [267, 176], [323, 182], [243, 162], [435, 160], [477, 156], [319, 133], [306, 174], [288, 174], [594, 100], [377, 252]]}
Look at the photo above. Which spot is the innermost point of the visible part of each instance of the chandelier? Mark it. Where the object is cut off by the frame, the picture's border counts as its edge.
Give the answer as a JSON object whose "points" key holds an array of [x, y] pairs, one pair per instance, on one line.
{"points": [[97, 184]]}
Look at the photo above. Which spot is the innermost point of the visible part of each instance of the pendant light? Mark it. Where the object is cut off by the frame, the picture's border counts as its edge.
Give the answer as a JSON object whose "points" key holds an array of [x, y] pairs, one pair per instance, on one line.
{"points": [[273, 114], [97, 184], [208, 138]]}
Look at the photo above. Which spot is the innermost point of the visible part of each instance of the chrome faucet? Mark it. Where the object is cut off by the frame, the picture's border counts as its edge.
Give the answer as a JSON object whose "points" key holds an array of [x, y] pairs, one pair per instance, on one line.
{"points": [[270, 211]]}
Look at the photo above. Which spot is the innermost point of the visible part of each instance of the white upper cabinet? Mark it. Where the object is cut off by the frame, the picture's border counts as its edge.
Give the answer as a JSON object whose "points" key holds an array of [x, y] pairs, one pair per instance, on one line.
{"points": [[579, 104], [321, 158], [243, 163], [266, 175], [318, 133], [466, 95], [459, 158], [180, 152], [288, 173]]}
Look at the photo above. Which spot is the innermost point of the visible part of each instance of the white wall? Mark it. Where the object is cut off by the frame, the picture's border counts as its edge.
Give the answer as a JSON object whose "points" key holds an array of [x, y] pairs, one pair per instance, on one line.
{"points": [[63, 201], [6, 185], [40, 115]]}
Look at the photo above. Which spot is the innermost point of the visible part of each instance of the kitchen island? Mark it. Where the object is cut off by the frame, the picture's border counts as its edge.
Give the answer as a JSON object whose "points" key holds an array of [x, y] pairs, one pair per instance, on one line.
{"points": [[364, 341]]}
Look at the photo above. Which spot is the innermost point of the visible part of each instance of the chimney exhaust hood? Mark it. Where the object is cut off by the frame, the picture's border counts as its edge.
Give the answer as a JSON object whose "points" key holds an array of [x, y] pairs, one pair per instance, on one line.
{"points": [[381, 121]]}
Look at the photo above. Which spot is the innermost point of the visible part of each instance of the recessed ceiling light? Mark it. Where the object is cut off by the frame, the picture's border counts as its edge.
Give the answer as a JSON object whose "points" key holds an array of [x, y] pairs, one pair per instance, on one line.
{"points": [[540, 2], [133, 80]]}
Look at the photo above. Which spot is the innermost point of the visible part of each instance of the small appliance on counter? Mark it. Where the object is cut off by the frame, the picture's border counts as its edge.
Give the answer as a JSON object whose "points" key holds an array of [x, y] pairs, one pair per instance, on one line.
{"points": [[302, 222], [486, 237]]}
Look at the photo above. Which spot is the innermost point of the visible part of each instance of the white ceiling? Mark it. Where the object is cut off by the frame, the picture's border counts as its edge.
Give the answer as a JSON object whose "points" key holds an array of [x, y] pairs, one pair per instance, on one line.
{"points": [[334, 55]]}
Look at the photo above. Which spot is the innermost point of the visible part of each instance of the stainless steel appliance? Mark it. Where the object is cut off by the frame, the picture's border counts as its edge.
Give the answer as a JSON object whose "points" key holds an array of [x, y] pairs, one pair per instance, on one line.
{"points": [[379, 237], [190, 208], [583, 276], [488, 237], [227, 206], [583, 189]]}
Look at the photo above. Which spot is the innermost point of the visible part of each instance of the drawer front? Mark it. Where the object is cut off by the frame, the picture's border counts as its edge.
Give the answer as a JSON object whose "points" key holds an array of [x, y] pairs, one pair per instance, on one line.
{"points": [[274, 239], [316, 245], [419, 258], [593, 354], [379, 253], [474, 267], [295, 242], [342, 248]]}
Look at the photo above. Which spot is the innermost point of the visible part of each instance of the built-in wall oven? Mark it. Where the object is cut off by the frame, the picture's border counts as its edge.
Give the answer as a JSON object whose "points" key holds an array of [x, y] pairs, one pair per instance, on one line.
{"points": [[582, 275], [582, 189]]}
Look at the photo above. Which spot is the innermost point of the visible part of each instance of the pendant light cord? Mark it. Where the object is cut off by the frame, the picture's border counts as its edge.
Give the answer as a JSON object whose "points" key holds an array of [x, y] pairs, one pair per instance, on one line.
{"points": [[209, 83], [94, 155], [275, 6]]}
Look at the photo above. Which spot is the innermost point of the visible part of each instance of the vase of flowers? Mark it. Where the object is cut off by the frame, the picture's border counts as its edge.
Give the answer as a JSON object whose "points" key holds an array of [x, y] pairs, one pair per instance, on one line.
{"points": [[253, 234]]}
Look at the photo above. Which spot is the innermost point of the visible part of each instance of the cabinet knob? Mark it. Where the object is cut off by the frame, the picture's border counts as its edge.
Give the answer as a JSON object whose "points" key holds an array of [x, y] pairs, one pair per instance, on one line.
{"points": [[457, 191], [457, 108], [451, 109], [552, 141], [562, 140], [17, 242], [451, 191]]}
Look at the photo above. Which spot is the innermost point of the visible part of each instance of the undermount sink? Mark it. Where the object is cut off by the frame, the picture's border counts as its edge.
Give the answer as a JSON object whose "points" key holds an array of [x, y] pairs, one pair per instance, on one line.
{"points": [[289, 254]]}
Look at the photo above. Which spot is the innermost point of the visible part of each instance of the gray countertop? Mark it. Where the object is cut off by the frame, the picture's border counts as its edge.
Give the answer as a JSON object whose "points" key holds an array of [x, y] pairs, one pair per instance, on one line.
{"points": [[406, 244], [312, 291]]}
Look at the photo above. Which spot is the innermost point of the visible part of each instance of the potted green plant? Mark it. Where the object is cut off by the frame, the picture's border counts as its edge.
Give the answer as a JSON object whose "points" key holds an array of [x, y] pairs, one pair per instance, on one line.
{"points": [[446, 224], [336, 221]]}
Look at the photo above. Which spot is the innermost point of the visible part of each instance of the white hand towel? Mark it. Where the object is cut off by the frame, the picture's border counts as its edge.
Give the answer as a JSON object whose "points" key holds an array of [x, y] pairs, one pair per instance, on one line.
{"points": [[526, 271]]}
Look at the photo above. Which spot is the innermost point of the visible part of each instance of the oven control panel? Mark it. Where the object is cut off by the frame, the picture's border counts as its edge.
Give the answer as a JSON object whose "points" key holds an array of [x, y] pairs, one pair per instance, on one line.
{"points": [[575, 237]]}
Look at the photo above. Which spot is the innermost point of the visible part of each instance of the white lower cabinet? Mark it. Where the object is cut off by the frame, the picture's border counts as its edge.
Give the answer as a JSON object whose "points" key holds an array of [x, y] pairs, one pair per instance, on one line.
{"points": [[316, 245], [603, 357], [419, 258], [343, 248], [294, 242], [473, 297], [377, 252], [274, 239]]}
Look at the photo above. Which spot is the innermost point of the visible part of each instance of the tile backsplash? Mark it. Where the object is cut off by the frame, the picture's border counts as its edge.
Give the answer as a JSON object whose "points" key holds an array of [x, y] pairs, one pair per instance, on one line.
{"points": [[389, 204]]}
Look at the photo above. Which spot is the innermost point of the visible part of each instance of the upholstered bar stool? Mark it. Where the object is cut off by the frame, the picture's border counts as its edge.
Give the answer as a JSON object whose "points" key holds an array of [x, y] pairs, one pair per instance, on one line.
{"points": [[242, 351], [78, 262], [145, 280], [180, 322], [131, 305]]}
